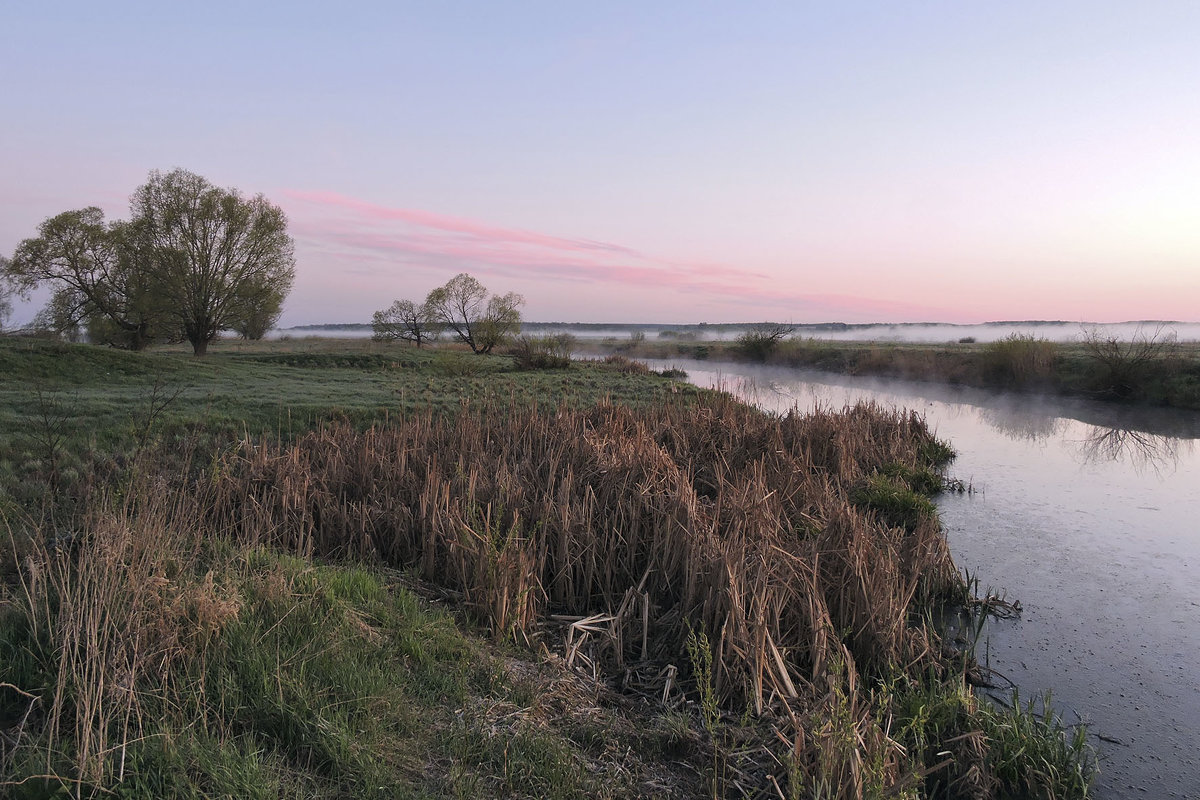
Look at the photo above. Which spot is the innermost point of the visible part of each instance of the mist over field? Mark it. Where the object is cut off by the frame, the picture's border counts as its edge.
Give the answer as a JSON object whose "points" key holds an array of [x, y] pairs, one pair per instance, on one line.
{"points": [[933, 333]]}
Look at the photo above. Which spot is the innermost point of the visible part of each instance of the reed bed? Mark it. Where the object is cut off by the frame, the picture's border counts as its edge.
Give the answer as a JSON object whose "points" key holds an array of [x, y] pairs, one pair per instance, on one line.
{"points": [[99, 621], [638, 527]]}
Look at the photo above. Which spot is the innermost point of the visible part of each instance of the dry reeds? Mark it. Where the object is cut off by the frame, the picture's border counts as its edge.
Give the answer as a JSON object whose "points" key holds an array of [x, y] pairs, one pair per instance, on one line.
{"points": [[114, 617], [1020, 359], [714, 517]]}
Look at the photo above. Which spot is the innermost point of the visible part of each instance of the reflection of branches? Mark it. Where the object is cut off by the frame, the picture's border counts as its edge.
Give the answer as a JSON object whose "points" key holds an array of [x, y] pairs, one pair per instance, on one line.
{"points": [[758, 392], [1140, 449], [1022, 424]]}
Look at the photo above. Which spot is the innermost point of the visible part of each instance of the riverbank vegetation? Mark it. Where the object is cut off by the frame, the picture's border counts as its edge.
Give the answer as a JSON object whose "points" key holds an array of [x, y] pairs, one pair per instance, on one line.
{"points": [[364, 569], [1148, 367]]}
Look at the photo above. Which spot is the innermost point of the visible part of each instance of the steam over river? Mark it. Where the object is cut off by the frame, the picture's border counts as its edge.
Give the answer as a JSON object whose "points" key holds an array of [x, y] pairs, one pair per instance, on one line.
{"points": [[1087, 513]]}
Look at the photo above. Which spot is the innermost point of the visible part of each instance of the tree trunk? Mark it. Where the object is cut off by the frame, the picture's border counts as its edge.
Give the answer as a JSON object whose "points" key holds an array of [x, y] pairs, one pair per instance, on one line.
{"points": [[199, 334], [139, 339]]}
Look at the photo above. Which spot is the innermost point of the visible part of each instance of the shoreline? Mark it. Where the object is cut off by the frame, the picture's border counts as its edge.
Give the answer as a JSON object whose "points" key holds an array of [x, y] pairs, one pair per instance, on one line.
{"points": [[1168, 379]]}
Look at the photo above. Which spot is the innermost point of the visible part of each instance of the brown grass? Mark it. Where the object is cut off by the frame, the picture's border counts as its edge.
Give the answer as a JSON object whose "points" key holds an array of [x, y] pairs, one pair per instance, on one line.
{"points": [[716, 517], [117, 606]]}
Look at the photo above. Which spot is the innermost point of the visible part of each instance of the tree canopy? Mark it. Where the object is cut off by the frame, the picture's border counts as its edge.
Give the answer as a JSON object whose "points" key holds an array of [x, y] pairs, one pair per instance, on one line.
{"points": [[193, 260], [93, 269], [464, 308], [214, 257], [407, 321]]}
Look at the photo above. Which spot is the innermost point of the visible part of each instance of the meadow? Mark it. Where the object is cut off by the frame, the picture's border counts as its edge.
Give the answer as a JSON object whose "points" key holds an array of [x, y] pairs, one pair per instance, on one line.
{"points": [[325, 569]]}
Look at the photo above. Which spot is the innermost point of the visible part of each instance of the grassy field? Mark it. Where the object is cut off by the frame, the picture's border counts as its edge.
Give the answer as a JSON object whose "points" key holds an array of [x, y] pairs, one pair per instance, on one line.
{"points": [[1115, 371], [340, 568], [69, 413]]}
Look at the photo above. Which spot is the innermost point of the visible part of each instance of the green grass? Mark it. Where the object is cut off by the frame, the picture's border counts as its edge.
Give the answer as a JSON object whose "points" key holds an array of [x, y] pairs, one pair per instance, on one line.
{"points": [[899, 496], [70, 413], [335, 680], [1020, 751], [267, 674]]}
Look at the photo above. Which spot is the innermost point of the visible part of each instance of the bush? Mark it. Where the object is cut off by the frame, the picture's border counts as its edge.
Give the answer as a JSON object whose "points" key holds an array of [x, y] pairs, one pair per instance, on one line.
{"points": [[1122, 367], [544, 352], [636, 339], [1020, 359], [758, 343], [627, 365]]}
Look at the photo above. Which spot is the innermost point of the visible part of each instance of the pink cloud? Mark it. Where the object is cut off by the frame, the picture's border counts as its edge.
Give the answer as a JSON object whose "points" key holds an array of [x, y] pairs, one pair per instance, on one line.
{"points": [[371, 235], [429, 219]]}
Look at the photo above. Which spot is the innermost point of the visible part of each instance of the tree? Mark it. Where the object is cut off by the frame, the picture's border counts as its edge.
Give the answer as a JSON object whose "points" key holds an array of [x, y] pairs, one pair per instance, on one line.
{"points": [[405, 320], [5, 294], [95, 269], [462, 305], [501, 322], [1122, 366], [59, 318], [214, 258], [260, 313]]}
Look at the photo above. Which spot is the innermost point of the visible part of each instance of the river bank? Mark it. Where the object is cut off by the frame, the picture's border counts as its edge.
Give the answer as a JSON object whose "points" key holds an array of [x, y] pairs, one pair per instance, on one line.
{"points": [[1151, 371], [230, 604], [1084, 512]]}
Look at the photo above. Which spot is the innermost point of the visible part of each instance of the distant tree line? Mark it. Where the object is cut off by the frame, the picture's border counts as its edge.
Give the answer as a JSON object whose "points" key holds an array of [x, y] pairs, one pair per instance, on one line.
{"points": [[461, 308], [193, 260]]}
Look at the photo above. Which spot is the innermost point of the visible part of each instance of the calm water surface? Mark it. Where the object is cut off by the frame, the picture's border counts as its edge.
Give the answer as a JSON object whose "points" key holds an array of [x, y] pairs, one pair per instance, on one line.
{"points": [[1090, 516]]}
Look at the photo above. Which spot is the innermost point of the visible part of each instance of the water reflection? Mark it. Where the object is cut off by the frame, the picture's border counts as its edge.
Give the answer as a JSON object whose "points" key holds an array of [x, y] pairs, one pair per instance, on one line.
{"points": [[1146, 439], [1141, 450], [1089, 518], [1020, 424]]}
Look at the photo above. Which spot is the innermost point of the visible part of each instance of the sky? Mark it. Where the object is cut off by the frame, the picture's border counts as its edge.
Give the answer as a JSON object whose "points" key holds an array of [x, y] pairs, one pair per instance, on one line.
{"points": [[646, 161]]}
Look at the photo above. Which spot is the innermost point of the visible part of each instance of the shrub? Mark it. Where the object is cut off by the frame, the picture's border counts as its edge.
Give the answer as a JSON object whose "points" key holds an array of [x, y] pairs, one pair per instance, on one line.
{"points": [[759, 342], [627, 365], [1122, 366], [544, 352], [1020, 359], [636, 339]]}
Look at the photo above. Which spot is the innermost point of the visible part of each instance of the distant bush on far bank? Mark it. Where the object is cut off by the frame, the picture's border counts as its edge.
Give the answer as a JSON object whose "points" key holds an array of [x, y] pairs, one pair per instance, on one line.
{"points": [[1123, 365], [1020, 359], [758, 343]]}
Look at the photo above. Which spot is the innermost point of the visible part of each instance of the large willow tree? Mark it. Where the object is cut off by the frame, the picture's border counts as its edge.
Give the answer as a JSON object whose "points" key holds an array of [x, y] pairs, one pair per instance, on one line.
{"points": [[193, 260], [215, 258], [95, 272]]}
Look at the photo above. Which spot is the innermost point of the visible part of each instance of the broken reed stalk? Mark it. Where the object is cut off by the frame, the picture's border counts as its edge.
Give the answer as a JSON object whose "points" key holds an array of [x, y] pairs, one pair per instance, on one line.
{"points": [[714, 515]]}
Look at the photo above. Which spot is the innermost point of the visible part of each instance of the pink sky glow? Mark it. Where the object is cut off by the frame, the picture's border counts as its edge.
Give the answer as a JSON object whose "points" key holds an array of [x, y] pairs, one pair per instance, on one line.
{"points": [[803, 162], [409, 251]]}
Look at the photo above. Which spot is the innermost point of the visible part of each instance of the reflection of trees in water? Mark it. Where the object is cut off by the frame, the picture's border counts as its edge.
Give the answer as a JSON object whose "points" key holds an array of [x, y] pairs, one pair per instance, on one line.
{"points": [[762, 393], [1118, 441], [1139, 449], [1022, 424], [1101, 444]]}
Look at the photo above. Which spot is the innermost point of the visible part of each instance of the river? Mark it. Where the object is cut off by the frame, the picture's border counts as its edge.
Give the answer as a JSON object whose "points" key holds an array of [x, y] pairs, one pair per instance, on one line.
{"points": [[1087, 513]]}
